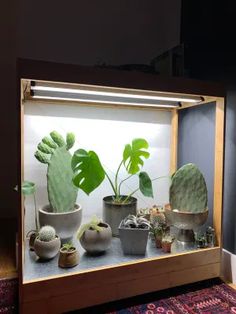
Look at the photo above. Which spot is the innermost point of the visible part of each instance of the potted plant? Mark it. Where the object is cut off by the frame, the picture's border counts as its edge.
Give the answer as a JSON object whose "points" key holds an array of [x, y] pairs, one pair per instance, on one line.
{"points": [[68, 256], [89, 174], [201, 241], [95, 236], [133, 231], [47, 244], [28, 188], [158, 226], [166, 243], [62, 212]]}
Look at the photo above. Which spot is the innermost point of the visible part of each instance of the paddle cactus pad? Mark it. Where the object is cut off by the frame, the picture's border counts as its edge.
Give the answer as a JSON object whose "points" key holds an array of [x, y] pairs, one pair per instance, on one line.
{"points": [[188, 190], [53, 151]]}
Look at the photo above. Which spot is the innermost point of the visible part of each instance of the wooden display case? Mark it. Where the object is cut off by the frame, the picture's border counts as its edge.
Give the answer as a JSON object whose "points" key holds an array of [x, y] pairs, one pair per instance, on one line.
{"points": [[79, 289]]}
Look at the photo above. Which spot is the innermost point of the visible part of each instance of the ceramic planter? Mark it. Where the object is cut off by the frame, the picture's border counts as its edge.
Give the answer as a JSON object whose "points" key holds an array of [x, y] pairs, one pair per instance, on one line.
{"points": [[69, 258], [95, 242], [66, 224], [47, 250], [113, 214], [133, 240], [158, 242], [166, 246], [32, 237]]}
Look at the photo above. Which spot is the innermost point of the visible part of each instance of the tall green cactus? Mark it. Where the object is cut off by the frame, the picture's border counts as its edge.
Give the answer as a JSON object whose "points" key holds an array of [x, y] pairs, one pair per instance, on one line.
{"points": [[188, 190], [54, 151]]}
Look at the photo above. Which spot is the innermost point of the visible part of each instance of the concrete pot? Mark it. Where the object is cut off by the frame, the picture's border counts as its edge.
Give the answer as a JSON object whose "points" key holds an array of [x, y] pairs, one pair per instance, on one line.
{"points": [[95, 242], [66, 224], [47, 250], [113, 214], [133, 240], [68, 259]]}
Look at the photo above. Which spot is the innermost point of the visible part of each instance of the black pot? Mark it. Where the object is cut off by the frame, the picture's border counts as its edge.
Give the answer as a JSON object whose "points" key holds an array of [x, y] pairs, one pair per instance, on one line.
{"points": [[114, 213]]}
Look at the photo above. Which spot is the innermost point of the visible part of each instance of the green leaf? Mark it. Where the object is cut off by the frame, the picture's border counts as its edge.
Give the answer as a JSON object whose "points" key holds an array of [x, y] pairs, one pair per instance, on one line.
{"points": [[133, 155], [88, 171], [28, 188], [145, 184]]}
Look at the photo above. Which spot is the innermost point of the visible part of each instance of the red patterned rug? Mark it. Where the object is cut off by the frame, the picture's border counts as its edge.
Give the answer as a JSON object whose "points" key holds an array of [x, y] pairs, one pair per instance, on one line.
{"points": [[8, 296], [216, 299]]}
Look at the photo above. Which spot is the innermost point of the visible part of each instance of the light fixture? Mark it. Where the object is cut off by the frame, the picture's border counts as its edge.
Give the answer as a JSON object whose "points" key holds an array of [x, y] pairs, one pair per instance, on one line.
{"points": [[108, 95]]}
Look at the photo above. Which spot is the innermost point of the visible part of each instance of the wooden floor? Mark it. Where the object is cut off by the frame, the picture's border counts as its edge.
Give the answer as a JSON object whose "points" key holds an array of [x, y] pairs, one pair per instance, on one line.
{"points": [[7, 248]]}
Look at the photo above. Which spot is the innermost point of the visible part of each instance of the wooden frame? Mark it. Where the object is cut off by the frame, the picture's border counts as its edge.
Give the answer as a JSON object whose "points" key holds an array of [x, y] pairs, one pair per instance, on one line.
{"points": [[95, 286]]}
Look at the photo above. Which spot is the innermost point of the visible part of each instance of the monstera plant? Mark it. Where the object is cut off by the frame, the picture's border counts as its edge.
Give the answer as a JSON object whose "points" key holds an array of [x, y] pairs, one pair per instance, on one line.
{"points": [[89, 174]]}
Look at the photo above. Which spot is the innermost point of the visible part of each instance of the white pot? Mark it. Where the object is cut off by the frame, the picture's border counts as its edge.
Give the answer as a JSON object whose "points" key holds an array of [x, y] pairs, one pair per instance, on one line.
{"points": [[66, 224]]}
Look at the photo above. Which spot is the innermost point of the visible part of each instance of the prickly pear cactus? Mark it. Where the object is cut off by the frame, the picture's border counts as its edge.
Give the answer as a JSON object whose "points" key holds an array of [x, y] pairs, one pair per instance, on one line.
{"points": [[188, 191], [47, 233], [54, 151]]}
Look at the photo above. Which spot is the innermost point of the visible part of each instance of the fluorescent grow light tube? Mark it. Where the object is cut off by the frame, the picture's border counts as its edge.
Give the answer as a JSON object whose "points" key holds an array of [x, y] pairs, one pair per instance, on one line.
{"points": [[108, 95], [112, 102]]}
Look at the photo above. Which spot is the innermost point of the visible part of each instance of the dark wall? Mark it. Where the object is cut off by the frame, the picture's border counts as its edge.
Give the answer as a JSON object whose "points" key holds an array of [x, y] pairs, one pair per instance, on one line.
{"points": [[94, 32], [75, 32], [208, 32], [196, 143]]}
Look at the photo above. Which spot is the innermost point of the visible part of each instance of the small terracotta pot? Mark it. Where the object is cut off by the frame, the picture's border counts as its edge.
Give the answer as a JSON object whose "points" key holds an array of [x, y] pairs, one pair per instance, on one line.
{"points": [[158, 242], [68, 258], [166, 247]]}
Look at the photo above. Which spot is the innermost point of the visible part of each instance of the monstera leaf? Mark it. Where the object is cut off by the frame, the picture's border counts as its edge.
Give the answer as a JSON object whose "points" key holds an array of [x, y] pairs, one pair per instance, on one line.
{"points": [[145, 184], [88, 171], [133, 154]]}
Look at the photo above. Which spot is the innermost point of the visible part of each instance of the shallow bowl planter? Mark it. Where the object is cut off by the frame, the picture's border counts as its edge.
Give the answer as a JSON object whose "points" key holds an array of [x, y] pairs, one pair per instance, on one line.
{"points": [[133, 240], [47, 250], [185, 222], [66, 224], [69, 258], [114, 213], [95, 242]]}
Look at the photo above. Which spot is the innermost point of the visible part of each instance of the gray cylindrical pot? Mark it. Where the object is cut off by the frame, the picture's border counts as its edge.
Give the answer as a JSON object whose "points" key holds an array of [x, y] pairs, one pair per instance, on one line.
{"points": [[133, 240], [66, 224], [113, 213], [47, 250], [95, 242]]}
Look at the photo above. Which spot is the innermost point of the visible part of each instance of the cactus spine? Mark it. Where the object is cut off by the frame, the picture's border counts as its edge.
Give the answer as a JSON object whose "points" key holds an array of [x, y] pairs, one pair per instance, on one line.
{"points": [[188, 190], [55, 153], [47, 234]]}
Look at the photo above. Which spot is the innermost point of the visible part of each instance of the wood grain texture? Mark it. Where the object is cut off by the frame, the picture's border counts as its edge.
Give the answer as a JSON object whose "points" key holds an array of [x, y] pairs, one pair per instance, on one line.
{"points": [[103, 285], [218, 170], [174, 141], [84, 296]]}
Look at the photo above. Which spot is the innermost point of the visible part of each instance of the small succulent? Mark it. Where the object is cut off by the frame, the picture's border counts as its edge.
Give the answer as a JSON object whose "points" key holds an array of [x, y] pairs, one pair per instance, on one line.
{"points": [[92, 225], [168, 238], [133, 221], [68, 247], [47, 234]]}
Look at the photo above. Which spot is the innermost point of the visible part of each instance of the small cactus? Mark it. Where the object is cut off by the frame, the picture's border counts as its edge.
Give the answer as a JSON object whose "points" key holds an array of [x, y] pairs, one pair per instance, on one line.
{"points": [[188, 191], [47, 234], [55, 153]]}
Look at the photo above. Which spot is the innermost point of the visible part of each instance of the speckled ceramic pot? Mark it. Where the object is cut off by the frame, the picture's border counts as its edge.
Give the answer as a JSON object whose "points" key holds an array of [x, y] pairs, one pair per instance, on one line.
{"points": [[95, 242], [47, 250], [66, 224]]}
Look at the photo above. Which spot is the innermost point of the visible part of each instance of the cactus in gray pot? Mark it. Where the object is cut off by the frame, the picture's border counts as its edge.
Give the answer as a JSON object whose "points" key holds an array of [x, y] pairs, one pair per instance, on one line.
{"points": [[188, 190], [54, 151], [47, 234]]}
